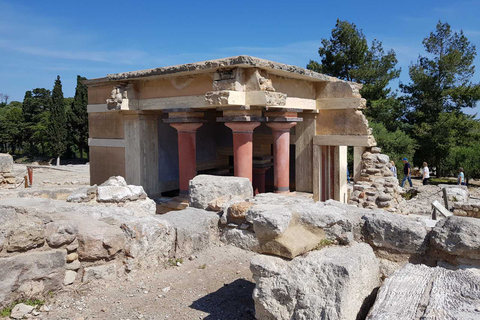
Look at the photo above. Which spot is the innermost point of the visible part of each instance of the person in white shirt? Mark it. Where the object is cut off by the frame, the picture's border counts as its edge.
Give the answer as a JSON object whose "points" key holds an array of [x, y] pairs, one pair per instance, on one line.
{"points": [[393, 169], [426, 173]]}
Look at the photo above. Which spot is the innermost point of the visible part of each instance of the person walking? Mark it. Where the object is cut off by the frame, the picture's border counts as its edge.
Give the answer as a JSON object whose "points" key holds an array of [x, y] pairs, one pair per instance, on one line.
{"points": [[461, 177], [407, 170], [393, 169], [425, 173]]}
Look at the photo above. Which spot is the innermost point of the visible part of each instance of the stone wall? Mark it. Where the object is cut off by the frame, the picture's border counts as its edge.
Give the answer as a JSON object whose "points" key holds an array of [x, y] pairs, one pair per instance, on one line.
{"points": [[467, 209], [376, 186]]}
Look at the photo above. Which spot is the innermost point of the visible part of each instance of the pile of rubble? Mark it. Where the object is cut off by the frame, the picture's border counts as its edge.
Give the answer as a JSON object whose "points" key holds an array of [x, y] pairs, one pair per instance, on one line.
{"points": [[7, 178], [376, 187]]}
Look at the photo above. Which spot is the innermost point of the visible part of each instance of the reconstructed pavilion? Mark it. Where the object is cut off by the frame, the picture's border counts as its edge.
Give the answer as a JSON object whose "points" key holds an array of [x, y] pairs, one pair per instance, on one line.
{"points": [[275, 124]]}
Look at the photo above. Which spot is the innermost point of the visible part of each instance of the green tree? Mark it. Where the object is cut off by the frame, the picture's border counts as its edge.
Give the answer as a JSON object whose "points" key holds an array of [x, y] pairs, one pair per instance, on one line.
{"points": [[346, 55], [35, 104], [57, 126], [78, 117], [440, 87]]}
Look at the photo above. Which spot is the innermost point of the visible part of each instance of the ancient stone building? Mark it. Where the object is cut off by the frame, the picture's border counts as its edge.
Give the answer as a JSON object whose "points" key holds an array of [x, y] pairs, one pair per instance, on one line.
{"points": [[281, 126]]}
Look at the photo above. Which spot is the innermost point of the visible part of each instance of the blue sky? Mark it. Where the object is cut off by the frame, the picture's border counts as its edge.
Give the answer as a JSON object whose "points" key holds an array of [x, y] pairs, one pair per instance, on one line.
{"points": [[42, 39]]}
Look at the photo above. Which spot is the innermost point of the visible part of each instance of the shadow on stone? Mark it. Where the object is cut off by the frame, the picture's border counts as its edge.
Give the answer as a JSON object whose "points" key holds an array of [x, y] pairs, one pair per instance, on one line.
{"points": [[232, 301], [367, 304]]}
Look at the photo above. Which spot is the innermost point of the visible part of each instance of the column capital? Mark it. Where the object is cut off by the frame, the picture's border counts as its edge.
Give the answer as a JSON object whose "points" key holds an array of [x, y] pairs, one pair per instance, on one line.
{"points": [[242, 127], [186, 127], [281, 126]]}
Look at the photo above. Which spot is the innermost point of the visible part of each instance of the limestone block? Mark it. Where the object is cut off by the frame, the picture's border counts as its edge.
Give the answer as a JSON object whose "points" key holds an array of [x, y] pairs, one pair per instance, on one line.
{"points": [[332, 282], [206, 188], [236, 212], [149, 242], [394, 232], [421, 292], [74, 265], [21, 232], [6, 162], [98, 240], [31, 274], [457, 236], [243, 239], [280, 199], [85, 194], [196, 230], [60, 232], [269, 221]]}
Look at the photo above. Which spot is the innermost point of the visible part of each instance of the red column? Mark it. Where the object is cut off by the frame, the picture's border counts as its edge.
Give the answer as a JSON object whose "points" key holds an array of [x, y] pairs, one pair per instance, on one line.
{"points": [[281, 155], [243, 147], [186, 153], [259, 179]]}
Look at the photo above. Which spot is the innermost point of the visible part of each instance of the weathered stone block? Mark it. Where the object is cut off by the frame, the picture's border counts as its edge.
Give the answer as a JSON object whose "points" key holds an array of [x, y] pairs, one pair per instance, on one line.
{"points": [[6, 162], [60, 232], [196, 230], [332, 283], [31, 274], [98, 240], [206, 188], [394, 232]]}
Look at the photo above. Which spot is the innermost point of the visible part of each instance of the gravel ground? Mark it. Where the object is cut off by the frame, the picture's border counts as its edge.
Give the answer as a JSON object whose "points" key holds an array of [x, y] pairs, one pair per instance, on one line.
{"points": [[216, 285]]}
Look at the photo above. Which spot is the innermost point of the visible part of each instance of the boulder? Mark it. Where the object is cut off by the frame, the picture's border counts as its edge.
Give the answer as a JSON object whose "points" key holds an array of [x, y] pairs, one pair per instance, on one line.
{"points": [[115, 189], [22, 233], [328, 284], [205, 188], [393, 232], [31, 274], [85, 194], [280, 199], [237, 212], [6, 162], [269, 220], [457, 236], [98, 240], [149, 242], [60, 232], [421, 292], [243, 239], [196, 230], [70, 277]]}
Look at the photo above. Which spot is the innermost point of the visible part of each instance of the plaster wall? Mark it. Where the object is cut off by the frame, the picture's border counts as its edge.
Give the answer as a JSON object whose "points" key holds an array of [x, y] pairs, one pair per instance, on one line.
{"points": [[106, 162], [341, 122], [174, 87], [105, 125]]}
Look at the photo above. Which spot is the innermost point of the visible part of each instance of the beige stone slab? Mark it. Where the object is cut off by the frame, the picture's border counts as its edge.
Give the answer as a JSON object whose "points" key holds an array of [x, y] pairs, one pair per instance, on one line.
{"points": [[300, 103], [265, 98], [97, 108], [115, 143], [193, 102], [344, 140], [341, 103]]}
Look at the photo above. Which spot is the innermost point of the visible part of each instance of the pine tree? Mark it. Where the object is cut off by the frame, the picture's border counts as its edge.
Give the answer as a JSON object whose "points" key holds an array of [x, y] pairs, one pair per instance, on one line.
{"points": [[440, 87], [79, 117], [57, 127]]}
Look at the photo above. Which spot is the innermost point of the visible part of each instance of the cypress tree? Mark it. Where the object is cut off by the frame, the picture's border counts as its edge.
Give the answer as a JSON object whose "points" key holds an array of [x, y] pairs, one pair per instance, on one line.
{"points": [[79, 116], [57, 128]]}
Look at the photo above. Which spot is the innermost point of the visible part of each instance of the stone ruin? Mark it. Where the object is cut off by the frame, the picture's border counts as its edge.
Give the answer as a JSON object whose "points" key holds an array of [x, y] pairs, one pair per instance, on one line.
{"points": [[315, 258], [375, 186], [7, 178]]}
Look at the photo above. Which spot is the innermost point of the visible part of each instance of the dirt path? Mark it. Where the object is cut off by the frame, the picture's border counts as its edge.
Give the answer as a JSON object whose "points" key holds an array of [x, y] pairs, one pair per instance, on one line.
{"points": [[220, 290]]}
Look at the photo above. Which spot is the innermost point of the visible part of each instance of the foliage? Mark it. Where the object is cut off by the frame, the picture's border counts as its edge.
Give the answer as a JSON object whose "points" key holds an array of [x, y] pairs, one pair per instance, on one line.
{"points": [[440, 87], [78, 117], [396, 145], [57, 126], [346, 55]]}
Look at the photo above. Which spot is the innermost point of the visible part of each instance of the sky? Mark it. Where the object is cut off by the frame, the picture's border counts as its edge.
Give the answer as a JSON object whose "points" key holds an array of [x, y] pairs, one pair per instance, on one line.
{"points": [[42, 39]]}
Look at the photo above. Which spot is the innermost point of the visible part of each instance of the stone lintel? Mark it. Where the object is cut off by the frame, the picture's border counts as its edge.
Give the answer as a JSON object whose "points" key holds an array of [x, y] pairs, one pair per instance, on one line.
{"points": [[265, 98], [283, 119], [341, 103], [224, 98], [345, 140], [240, 118], [184, 120], [112, 143]]}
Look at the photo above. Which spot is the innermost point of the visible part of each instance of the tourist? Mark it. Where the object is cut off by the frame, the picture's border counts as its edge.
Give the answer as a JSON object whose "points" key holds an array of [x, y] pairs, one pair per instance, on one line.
{"points": [[407, 170], [461, 177], [393, 169], [425, 173]]}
